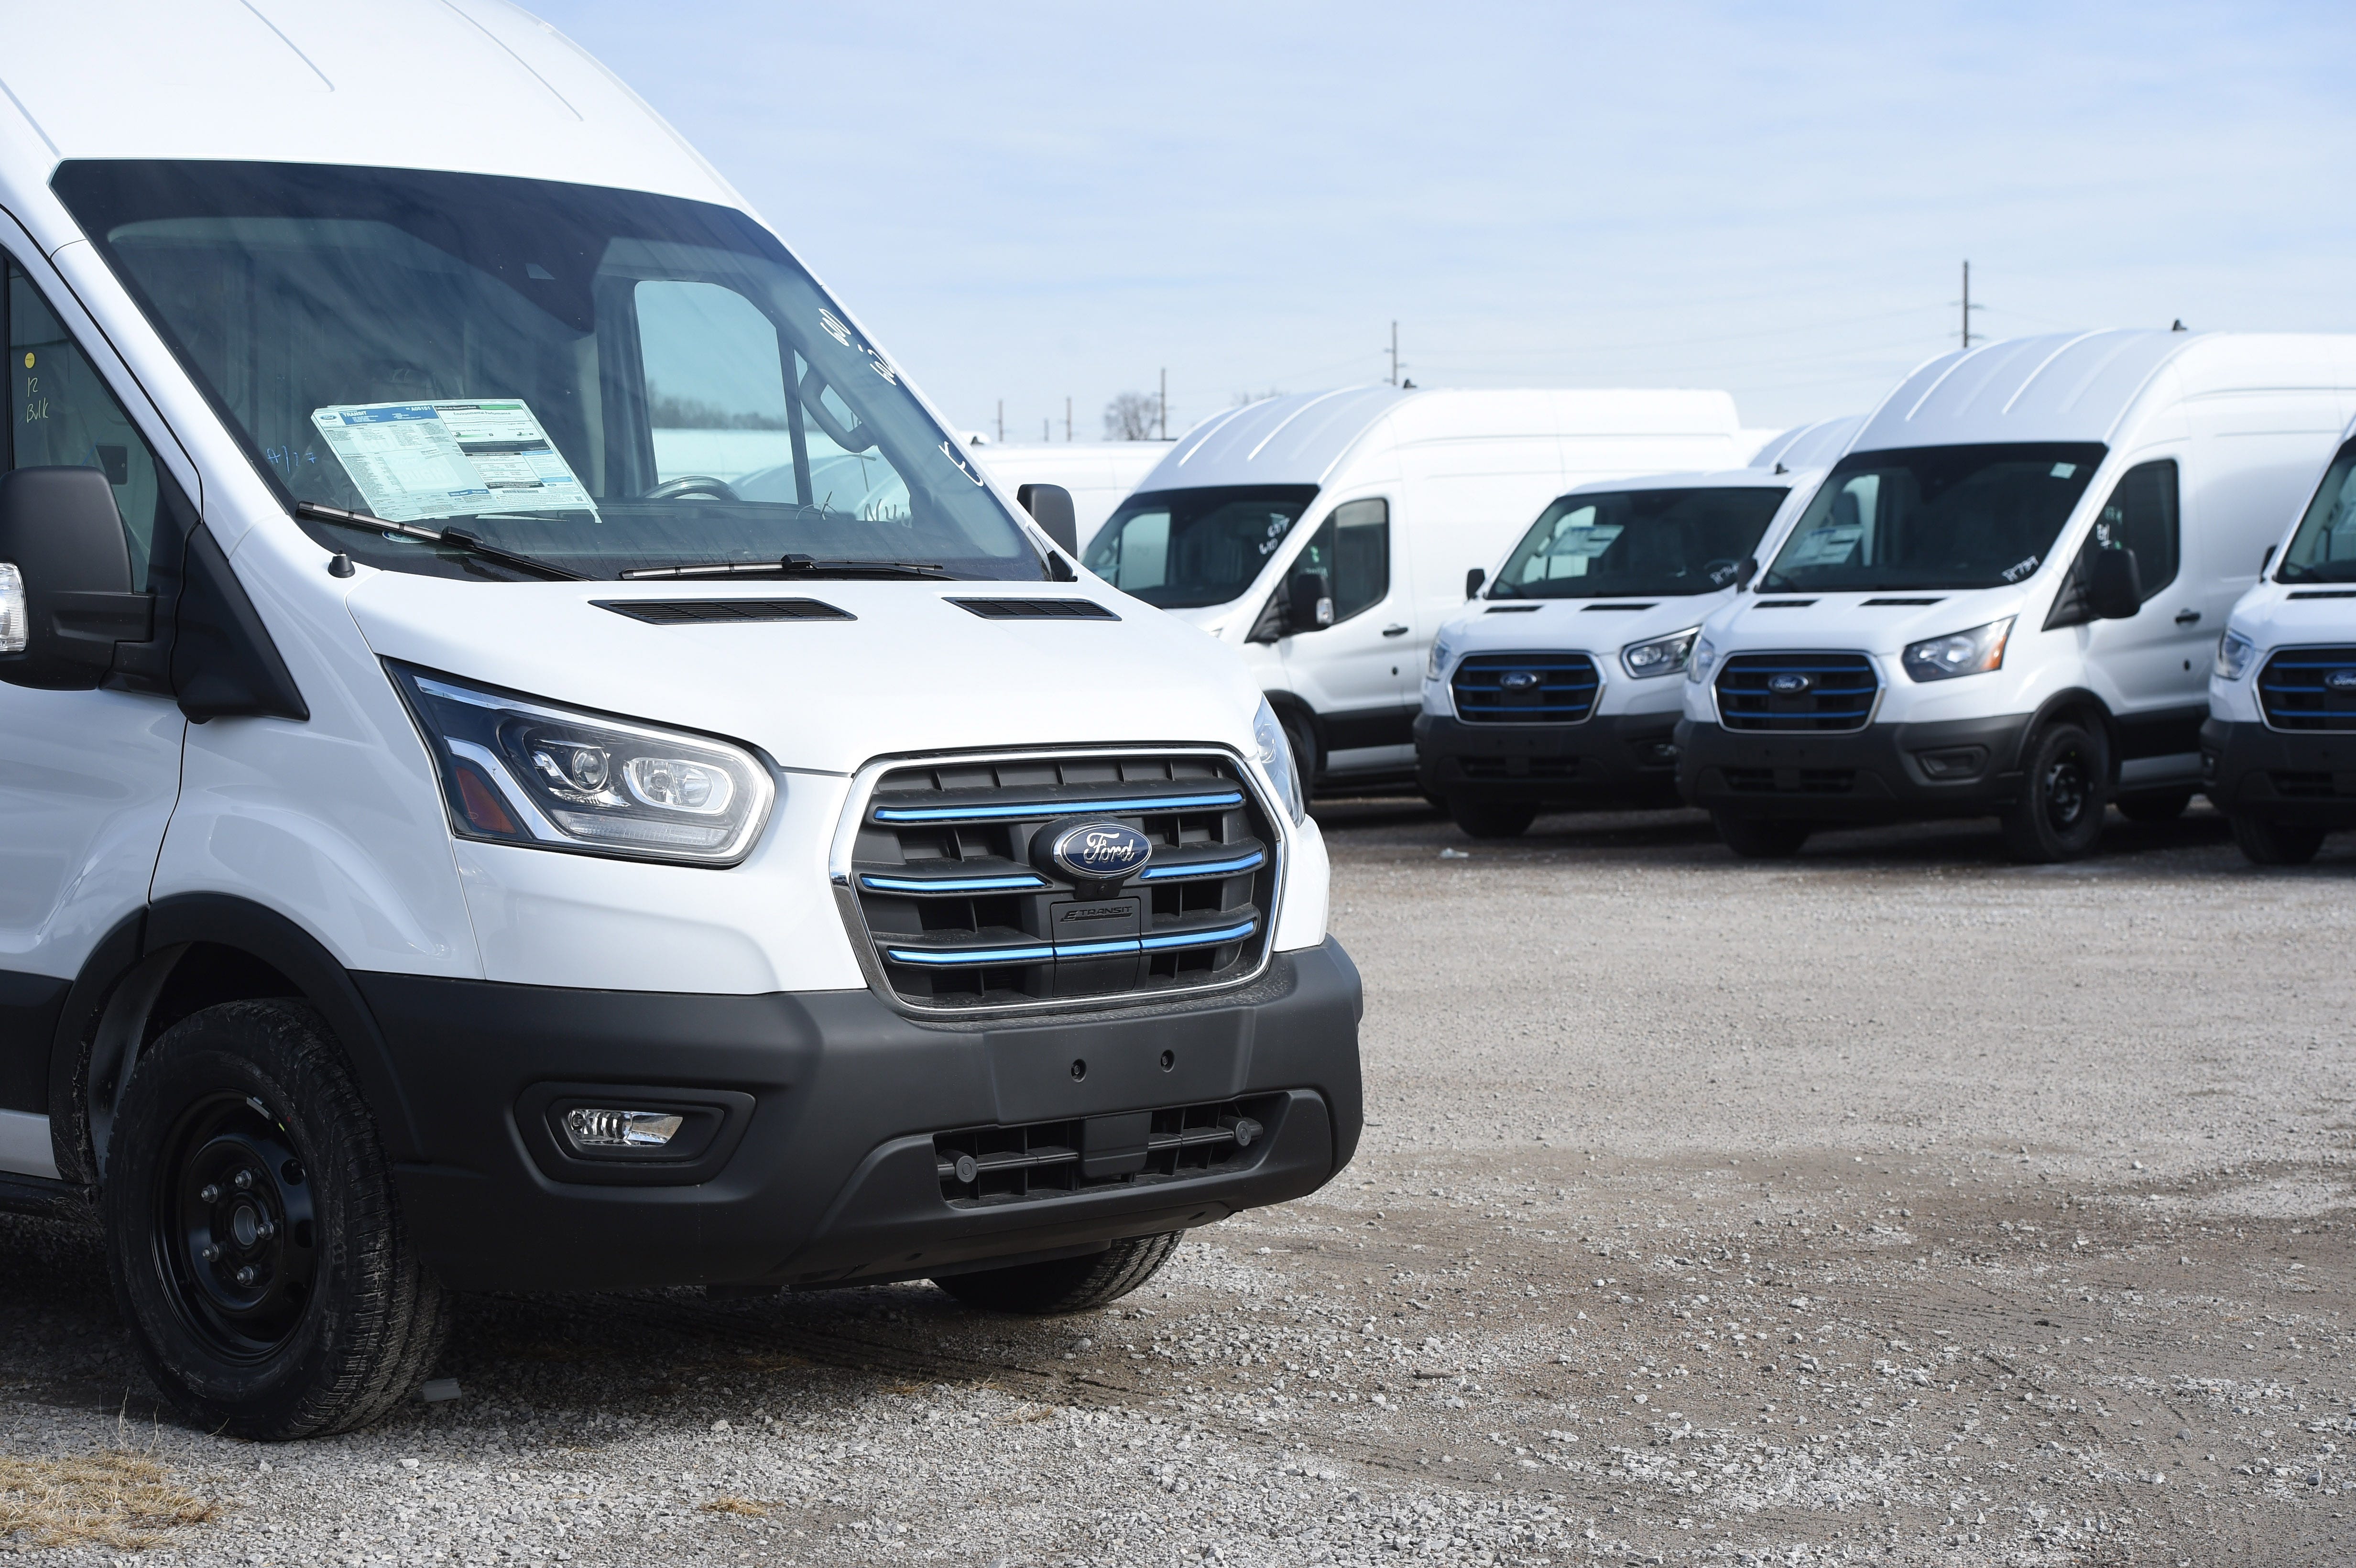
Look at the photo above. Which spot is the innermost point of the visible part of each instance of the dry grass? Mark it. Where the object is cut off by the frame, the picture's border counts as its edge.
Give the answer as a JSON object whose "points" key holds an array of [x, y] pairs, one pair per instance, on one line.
{"points": [[105, 1499], [745, 1506]]}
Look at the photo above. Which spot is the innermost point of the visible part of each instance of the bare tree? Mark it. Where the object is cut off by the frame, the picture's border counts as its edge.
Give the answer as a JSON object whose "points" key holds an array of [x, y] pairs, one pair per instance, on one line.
{"points": [[1130, 417]]}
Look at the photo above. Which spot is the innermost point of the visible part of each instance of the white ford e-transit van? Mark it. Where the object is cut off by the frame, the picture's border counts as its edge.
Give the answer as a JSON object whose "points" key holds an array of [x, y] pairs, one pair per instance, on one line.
{"points": [[445, 845], [2004, 598], [1528, 701], [2279, 749], [1327, 535]]}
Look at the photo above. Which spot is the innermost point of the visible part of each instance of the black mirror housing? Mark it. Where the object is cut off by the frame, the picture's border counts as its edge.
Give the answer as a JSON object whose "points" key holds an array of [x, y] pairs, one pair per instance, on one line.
{"points": [[1746, 571], [1474, 580], [59, 527], [1309, 603], [2113, 585], [1050, 506]]}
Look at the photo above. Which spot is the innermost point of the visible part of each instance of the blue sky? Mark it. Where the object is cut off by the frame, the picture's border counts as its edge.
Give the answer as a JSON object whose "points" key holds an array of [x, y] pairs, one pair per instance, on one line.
{"points": [[1034, 201]]}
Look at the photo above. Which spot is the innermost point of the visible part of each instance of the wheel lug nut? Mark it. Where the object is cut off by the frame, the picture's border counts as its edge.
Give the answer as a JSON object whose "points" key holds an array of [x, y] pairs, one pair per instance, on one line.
{"points": [[209, 1193], [245, 1275], [210, 1253], [244, 1179], [264, 1231]]}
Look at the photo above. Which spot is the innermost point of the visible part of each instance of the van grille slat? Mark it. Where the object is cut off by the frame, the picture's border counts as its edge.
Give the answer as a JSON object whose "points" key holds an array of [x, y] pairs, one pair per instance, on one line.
{"points": [[1525, 687], [1040, 1160], [2295, 690], [958, 916], [1839, 696]]}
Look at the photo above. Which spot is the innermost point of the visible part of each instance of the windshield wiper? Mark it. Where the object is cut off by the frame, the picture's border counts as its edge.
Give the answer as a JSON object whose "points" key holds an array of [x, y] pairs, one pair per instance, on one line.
{"points": [[791, 566], [454, 539]]}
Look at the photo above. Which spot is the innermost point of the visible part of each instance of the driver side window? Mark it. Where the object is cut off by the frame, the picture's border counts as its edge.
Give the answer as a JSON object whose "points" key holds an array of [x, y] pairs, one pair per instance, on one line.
{"points": [[1354, 550]]}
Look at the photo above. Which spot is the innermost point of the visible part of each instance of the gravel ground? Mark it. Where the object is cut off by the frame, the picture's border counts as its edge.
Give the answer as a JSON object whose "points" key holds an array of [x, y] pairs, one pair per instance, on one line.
{"points": [[1891, 1205]]}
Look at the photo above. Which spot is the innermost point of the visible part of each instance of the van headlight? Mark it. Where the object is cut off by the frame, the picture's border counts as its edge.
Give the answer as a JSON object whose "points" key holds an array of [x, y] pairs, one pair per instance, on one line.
{"points": [[1662, 655], [1274, 749], [518, 771], [1975, 652], [1704, 657], [1438, 663], [2236, 653]]}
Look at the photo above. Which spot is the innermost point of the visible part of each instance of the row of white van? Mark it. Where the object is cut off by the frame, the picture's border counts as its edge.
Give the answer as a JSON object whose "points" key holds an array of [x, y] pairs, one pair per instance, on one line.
{"points": [[2001, 592]]}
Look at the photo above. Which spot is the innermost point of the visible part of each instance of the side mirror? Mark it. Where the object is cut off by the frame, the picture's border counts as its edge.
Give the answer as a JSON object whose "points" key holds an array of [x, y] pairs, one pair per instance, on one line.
{"points": [[1050, 506], [1472, 581], [2269, 559], [1746, 571], [1309, 603], [2114, 585], [65, 571]]}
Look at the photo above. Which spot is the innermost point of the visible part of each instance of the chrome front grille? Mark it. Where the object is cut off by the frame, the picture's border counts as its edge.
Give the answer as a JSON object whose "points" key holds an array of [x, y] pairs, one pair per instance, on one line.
{"points": [[959, 914], [2310, 689]]}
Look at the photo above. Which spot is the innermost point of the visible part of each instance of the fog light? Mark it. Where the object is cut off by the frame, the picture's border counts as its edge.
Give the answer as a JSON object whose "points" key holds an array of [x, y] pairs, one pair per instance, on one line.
{"points": [[599, 1127], [1957, 762]]}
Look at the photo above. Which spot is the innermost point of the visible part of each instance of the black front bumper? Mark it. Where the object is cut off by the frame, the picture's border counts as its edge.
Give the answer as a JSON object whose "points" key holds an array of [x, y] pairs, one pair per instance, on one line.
{"points": [[1878, 774], [824, 1171], [2285, 776], [1615, 757]]}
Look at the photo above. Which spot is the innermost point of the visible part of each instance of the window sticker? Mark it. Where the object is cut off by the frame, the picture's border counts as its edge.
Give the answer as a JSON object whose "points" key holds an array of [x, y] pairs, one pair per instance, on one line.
{"points": [[450, 458], [1586, 541], [1822, 546]]}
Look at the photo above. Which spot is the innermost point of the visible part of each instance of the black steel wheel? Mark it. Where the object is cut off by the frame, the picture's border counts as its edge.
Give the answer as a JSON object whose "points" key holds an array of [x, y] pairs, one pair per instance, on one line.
{"points": [[2155, 809], [2066, 771], [1492, 818], [1301, 732], [2267, 842], [253, 1234], [1761, 837], [1065, 1284]]}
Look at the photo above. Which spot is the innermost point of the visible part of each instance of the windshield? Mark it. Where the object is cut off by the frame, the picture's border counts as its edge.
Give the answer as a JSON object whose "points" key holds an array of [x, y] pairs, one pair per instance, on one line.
{"points": [[2324, 549], [1935, 516], [602, 378], [1601, 546], [1182, 548]]}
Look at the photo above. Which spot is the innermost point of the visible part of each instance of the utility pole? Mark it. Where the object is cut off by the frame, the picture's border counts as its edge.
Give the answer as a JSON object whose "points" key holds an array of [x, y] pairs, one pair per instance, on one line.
{"points": [[1395, 354], [1043, 436], [1001, 421], [1165, 402], [1067, 419], [1967, 305]]}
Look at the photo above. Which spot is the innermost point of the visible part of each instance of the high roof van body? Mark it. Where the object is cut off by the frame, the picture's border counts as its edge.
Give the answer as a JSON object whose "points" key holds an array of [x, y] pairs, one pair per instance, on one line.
{"points": [[1554, 686], [1099, 475], [2279, 752], [451, 839], [2003, 599], [1327, 535]]}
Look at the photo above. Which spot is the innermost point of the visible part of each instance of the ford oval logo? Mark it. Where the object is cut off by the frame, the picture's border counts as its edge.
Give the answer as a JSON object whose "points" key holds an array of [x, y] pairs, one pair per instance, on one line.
{"points": [[1100, 851], [2340, 680], [1518, 679], [1789, 684]]}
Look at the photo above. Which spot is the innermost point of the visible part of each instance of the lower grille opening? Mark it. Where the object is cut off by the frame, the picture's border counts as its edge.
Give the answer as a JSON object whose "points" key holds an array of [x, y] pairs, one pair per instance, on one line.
{"points": [[1790, 781], [981, 1166], [2311, 786], [1518, 767]]}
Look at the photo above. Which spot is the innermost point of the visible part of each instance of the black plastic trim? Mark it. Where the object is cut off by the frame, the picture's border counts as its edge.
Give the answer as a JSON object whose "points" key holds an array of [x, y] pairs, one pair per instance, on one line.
{"points": [[224, 664], [29, 1008], [721, 611], [1036, 609], [2241, 764], [1858, 775], [1611, 758]]}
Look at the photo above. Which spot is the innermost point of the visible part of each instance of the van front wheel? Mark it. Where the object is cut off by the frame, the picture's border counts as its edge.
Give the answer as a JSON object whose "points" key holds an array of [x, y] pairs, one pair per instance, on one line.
{"points": [[2058, 816], [2266, 842], [251, 1232], [1759, 837], [1492, 818], [1065, 1284]]}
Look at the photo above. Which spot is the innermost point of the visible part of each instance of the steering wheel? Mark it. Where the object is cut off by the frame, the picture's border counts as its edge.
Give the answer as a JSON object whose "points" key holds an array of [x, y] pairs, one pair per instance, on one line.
{"points": [[688, 485]]}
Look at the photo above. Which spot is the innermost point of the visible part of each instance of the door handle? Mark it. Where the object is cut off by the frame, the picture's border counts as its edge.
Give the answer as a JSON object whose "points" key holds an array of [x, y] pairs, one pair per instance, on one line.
{"points": [[2187, 618], [1394, 631]]}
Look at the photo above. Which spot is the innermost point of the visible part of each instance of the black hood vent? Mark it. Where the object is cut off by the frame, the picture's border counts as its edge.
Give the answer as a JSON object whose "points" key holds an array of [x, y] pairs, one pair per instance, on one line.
{"points": [[1036, 609]]}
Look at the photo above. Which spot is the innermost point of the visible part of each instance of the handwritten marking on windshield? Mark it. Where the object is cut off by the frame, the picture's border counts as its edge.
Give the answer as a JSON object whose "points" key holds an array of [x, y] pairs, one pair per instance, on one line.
{"points": [[2020, 569]]}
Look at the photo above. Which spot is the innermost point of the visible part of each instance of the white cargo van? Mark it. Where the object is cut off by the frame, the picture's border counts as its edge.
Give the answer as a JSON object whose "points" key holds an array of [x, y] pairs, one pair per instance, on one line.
{"points": [[2003, 600], [2279, 750], [443, 844], [1328, 535], [1554, 688]]}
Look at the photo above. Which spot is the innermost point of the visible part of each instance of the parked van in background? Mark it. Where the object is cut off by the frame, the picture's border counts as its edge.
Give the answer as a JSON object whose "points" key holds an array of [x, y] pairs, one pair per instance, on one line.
{"points": [[1528, 703], [2004, 599], [450, 840], [1328, 535], [2279, 750], [1099, 475]]}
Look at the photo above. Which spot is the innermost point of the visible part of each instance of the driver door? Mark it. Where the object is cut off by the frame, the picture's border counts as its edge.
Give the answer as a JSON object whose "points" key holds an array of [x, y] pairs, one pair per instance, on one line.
{"points": [[1355, 672]]}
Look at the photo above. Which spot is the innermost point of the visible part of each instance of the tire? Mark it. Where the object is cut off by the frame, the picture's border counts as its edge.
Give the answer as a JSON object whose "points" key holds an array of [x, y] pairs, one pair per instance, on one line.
{"points": [[2058, 816], [2266, 842], [1302, 736], [240, 1131], [2154, 809], [1761, 837], [1065, 1284], [1492, 818]]}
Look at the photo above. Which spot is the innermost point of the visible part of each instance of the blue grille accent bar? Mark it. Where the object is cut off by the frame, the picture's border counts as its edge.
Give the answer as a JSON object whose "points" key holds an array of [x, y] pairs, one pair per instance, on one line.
{"points": [[1043, 952], [1006, 811], [1250, 862], [967, 957], [1199, 938], [2291, 690], [1552, 688], [952, 884]]}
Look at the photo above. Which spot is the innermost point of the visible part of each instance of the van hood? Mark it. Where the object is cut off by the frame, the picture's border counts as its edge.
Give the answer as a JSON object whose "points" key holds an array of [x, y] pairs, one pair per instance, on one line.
{"points": [[912, 672], [2273, 614], [1878, 622], [1599, 627]]}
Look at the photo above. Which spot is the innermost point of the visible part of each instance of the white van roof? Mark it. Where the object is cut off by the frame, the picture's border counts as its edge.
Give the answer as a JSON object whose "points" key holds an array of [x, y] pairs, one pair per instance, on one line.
{"points": [[1301, 439], [477, 86], [1817, 445]]}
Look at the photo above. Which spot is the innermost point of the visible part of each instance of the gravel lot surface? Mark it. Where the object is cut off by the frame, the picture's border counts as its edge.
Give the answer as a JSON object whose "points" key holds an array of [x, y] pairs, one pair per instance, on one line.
{"points": [[1891, 1205]]}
